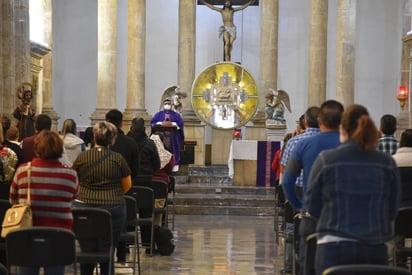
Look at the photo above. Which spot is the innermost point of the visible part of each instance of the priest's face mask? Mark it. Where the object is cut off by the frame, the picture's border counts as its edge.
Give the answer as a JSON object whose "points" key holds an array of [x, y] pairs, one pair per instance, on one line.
{"points": [[167, 106]]}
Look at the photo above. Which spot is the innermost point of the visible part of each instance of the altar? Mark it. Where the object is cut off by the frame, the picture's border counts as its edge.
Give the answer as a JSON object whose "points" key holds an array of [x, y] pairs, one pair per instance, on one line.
{"points": [[250, 162]]}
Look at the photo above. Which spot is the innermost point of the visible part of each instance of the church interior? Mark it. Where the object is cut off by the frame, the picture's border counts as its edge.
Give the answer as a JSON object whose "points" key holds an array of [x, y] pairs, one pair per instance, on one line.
{"points": [[87, 57], [84, 58]]}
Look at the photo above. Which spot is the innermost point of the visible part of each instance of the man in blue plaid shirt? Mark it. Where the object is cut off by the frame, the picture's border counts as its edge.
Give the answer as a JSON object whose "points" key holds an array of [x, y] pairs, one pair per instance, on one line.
{"points": [[312, 128], [387, 142]]}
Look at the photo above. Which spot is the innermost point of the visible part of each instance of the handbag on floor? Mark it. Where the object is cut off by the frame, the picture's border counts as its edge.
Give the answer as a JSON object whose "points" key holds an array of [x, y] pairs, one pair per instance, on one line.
{"points": [[19, 215]]}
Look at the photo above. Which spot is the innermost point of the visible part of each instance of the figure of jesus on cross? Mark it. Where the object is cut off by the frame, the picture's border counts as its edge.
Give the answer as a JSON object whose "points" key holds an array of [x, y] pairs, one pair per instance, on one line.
{"points": [[228, 30]]}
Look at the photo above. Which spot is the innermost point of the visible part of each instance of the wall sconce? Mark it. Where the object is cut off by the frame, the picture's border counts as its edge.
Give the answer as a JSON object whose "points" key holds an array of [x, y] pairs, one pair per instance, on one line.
{"points": [[402, 95]]}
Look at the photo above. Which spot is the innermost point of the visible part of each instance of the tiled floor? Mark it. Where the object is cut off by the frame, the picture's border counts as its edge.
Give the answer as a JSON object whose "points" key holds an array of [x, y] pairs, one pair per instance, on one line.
{"points": [[219, 245]]}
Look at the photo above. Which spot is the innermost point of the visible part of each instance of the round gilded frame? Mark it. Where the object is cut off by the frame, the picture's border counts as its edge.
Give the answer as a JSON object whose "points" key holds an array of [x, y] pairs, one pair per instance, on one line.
{"points": [[224, 95]]}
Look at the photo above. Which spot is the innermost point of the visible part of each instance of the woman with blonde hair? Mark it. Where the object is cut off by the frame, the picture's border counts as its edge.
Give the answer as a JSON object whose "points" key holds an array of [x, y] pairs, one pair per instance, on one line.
{"points": [[354, 192], [73, 145]]}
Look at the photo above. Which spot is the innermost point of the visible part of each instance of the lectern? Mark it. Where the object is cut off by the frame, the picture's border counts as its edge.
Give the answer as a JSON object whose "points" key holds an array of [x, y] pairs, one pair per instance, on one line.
{"points": [[167, 129]]}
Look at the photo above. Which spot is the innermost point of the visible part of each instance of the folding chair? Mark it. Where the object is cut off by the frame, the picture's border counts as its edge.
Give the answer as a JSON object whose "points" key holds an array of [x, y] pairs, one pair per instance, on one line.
{"points": [[144, 197], [131, 235], [160, 190], [93, 230], [40, 246], [4, 205], [171, 202], [361, 269], [3, 270], [310, 252], [296, 241], [279, 216], [403, 227]]}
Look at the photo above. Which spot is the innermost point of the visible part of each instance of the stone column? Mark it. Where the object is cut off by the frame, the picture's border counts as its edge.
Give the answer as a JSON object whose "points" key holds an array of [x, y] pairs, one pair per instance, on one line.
{"points": [[47, 96], [135, 104], [268, 54], [269, 25], [8, 81], [194, 130], [22, 50], [405, 116], [186, 54], [345, 51], [317, 52], [106, 58]]}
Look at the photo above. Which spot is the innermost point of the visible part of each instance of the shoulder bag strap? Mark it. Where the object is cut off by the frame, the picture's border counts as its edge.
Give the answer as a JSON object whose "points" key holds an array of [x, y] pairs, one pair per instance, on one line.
{"points": [[82, 176], [28, 182]]}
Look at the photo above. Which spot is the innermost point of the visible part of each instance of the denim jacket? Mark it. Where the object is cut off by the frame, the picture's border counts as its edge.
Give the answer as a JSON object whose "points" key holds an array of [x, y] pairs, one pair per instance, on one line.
{"points": [[354, 193]]}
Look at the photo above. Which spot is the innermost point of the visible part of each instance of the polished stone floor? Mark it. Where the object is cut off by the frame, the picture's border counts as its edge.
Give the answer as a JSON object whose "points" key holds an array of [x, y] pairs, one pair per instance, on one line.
{"points": [[216, 245], [220, 245]]}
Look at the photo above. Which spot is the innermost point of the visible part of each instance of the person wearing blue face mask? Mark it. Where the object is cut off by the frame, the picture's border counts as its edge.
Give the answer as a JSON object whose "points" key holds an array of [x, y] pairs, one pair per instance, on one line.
{"points": [[170, 120]]}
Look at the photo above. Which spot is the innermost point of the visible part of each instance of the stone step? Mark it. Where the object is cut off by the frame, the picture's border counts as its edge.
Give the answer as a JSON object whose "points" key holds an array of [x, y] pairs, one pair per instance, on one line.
{"points": [[215, 174], [203, 199], [224, 200], [221, 210], [204, 188]]}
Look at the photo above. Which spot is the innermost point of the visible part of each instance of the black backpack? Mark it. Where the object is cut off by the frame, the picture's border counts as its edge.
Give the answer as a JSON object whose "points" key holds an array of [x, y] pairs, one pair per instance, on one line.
{"points": [[164, 240]]}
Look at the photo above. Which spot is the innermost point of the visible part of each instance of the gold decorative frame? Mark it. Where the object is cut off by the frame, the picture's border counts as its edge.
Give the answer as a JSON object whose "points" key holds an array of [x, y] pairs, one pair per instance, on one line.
{"points": [[224, 95]]}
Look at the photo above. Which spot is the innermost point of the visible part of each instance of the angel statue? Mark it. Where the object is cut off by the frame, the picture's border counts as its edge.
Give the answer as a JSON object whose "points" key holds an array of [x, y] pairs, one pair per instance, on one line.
{"points": [[176, 95], [276, 101]]}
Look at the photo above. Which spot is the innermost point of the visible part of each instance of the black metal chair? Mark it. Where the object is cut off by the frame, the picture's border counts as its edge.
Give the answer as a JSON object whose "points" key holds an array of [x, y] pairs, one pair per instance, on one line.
{"points": [[3, 270], [4, 205], [171, 202], [296, 241], [161, 191], [363, 269], [40, 246], [310, 252], [403, 229], [93, 230], [131, 235], [279, 215], [144, 197]]}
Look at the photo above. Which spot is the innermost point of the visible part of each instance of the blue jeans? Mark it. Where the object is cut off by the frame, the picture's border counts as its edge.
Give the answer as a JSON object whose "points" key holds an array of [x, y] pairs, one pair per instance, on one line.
{"points": [[118, 224], [51, 270], [339, 253]]}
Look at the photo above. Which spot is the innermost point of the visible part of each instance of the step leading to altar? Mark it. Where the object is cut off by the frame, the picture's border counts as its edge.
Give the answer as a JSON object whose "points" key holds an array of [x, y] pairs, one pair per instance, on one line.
{"points": [[209, 190]]}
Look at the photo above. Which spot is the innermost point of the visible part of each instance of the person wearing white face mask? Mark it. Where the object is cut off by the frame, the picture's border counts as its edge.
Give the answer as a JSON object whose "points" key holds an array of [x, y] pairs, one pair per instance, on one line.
{"points": [[173, 129]]}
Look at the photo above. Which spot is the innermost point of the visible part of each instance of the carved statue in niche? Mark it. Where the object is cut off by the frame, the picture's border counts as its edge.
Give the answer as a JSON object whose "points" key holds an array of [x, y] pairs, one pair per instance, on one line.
{"points": [[176, 95], [24, 112], [276, 101]]}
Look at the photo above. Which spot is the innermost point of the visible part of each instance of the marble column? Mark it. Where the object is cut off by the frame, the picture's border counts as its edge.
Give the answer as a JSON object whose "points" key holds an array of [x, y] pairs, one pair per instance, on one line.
{"points": [[106, 59], [405, 115], [345, 51], [136, 38], [8, 81], [194, 130], [269, 26], [47, 96], [317, 52], [186, 54], [22, 50]]}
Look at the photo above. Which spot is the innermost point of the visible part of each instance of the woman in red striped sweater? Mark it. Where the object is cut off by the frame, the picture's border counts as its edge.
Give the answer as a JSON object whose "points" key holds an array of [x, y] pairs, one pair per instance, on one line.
{"points": [[53, 187]]}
